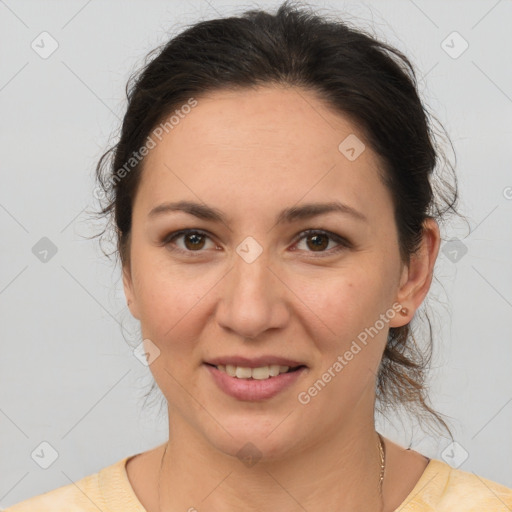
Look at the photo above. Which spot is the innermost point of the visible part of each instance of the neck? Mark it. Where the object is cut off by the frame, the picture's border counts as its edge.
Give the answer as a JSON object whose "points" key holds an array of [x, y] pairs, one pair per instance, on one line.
{"points": [[339, 472]]}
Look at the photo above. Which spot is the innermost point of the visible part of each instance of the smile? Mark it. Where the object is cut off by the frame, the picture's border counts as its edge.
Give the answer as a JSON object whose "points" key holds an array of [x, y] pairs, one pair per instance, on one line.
{"points": [[259, 373], [254, 384]]}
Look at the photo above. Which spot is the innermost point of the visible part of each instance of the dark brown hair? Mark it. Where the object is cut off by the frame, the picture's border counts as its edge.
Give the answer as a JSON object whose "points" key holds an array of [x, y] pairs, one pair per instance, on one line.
{"points": [[356, 75]]}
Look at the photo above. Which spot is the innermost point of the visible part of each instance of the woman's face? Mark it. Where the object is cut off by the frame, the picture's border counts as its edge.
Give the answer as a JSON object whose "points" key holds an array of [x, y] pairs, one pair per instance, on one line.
{"points": [[254, 285]]}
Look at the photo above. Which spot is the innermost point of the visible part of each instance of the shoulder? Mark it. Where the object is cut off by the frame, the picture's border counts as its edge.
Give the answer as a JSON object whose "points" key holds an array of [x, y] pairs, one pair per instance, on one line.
{"points": [[443, 488], [79, 496], [98, 491]]}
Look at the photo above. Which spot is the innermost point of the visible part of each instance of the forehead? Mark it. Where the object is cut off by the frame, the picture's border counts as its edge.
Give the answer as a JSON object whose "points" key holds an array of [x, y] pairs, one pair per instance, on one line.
{"points": [[271, 121], [258, 144]]}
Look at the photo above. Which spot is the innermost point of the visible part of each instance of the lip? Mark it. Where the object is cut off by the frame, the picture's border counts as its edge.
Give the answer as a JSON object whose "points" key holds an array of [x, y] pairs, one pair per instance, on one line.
{"points": [[252, 389], [254, 362]]}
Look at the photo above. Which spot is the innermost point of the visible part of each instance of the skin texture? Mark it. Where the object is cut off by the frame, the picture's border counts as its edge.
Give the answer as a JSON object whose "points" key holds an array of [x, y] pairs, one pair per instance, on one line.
{"points": [[250, 154]]}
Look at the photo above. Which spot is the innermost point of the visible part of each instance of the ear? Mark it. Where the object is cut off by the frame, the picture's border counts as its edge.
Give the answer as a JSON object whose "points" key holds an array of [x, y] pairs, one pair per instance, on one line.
{"points": [[129, 292], [416, 277]]}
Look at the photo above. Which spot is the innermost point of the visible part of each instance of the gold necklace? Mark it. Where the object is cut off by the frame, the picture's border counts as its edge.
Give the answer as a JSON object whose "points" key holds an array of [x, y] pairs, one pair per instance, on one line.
{"points": [[381, 480], [382, 461]]}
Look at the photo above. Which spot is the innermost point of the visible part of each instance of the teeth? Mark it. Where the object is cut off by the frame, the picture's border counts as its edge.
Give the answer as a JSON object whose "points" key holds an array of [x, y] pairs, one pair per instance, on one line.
{"points": [[243, 373], [274, 369], [260, 373]]}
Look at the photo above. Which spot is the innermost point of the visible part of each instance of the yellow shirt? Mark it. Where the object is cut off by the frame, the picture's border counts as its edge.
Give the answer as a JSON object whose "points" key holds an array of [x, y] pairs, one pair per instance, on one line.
{"points": [[440, 488]]}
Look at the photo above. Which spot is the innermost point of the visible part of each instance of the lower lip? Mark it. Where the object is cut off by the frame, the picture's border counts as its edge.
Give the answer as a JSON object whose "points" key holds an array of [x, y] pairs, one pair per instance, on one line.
{"points": [[253, 389]]}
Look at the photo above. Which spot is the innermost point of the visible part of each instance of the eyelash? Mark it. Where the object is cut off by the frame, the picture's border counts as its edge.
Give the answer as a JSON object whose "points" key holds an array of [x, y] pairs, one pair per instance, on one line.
{"points": [[343, 243]]}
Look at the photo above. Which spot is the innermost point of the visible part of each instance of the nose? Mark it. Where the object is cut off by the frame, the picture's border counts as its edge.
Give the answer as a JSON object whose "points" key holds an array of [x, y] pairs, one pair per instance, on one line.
{"points": [[252, 299]]}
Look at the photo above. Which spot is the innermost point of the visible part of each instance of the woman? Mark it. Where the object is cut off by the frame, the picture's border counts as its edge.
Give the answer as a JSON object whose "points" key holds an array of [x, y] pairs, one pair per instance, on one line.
{"points": [[272, 192]]}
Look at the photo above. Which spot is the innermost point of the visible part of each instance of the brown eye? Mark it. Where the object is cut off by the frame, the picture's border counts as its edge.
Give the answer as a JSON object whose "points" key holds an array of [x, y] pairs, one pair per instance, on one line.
{"points": [[194, 241], [188, 241], [318, 241]]}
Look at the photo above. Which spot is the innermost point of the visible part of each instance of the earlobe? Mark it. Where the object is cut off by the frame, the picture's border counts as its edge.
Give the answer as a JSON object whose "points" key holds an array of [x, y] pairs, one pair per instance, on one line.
{"points": [[129, 293], [417, 276]]}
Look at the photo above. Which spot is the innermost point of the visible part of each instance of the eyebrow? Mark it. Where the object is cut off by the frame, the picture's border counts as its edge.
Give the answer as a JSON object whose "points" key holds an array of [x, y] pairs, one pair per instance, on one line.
{"points": [[288, 215]]}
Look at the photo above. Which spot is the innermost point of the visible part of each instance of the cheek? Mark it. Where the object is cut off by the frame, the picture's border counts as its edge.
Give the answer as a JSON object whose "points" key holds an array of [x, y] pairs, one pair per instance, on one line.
{"points": [[169, 299], [350, 336], [345, 302]]}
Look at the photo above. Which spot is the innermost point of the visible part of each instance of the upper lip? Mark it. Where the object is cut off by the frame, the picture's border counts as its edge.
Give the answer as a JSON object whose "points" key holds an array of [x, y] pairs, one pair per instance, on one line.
{"points": [[254, 362]]}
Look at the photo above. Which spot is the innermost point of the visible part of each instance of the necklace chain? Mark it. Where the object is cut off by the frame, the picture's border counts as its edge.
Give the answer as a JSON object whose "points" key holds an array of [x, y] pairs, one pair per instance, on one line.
{"points": [[381, 480], [382, 461]]}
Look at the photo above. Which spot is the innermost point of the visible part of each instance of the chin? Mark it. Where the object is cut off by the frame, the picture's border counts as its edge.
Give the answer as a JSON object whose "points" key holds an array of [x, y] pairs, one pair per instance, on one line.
{"points": [[251, 439]]}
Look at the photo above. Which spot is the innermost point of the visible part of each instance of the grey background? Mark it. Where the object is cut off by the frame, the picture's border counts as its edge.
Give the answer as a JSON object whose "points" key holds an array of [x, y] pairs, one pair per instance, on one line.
{"points": [[68, 375]]}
